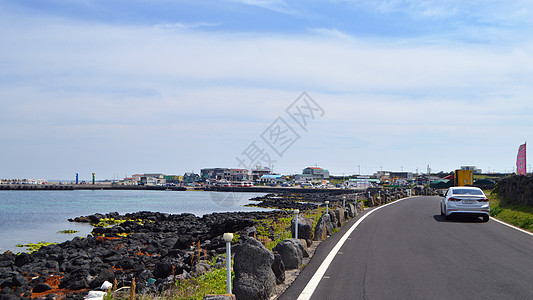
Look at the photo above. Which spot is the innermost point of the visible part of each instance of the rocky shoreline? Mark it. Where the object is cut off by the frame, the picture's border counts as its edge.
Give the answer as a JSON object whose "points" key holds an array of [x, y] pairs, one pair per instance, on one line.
{"points": [[153, 249], [147, 246]]}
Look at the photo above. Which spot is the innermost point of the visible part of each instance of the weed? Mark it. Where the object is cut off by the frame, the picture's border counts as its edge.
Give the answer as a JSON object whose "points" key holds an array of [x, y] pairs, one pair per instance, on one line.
{"points": [[515, 214]]}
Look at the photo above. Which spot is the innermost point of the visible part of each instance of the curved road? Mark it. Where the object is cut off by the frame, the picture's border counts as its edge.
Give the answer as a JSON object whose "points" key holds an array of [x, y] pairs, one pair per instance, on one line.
{"points": [[406, 250]]}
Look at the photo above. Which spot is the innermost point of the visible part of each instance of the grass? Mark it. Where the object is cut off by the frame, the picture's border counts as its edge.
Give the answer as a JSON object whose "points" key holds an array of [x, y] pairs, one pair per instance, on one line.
{"points": [[272, 231], [515, 214], [213, 282]]}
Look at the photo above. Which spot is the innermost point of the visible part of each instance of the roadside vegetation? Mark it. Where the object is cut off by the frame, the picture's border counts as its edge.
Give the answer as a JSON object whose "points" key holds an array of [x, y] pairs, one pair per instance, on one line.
{"points": [[514, 214], [213, 282], [269, 231]]}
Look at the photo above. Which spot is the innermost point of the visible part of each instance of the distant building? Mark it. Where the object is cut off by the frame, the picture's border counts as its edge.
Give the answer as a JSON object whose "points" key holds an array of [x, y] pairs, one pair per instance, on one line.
{"points": [[238, 175], [258, 172], [312, 173], [129, 181], [190, 177], [215, 174], [149, 179], [175, 179], [394, 177], [23, 181], [316, 173], [273, 179]]}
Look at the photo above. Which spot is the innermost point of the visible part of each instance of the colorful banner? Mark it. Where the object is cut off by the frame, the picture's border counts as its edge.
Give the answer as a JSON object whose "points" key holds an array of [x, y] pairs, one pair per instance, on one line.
{"points": [[521, 160]]}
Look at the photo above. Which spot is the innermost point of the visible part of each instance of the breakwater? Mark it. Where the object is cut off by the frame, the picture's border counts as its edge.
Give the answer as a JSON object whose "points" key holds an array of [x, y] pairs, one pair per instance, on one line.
{"points": [[273, 190], [254, 189], [71, 187]]}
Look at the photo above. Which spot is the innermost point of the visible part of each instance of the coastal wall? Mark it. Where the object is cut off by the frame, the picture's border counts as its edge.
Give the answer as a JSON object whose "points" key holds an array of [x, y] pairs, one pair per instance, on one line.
{"points": [[516, 189]]}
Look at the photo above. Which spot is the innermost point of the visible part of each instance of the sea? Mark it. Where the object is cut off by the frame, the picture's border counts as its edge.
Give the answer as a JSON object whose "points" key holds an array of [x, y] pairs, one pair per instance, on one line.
{"points": [[40, 216]]}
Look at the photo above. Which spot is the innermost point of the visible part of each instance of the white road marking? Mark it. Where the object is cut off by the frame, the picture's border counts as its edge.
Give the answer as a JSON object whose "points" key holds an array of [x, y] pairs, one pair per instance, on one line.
{"points": [[319, 274], [512, 226]]}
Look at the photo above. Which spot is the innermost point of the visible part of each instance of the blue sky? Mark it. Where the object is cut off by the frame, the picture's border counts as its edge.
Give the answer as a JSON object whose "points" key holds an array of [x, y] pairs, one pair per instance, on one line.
{"points": [[121, 87]]}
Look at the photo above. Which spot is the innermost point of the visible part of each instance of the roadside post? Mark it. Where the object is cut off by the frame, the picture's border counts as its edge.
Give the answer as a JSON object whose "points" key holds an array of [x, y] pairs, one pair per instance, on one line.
{"points": [[327, 203], [228, 237], [296, 212], [343, 202]]}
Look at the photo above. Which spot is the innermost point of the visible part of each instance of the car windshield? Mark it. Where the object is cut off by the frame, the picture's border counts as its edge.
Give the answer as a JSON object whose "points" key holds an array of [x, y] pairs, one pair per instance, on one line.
{"points": [[467, 192]]}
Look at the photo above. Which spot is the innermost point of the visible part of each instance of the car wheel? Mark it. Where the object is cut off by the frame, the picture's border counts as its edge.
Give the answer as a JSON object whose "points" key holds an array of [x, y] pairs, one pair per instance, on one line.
{"points": [[485, 218], [441, 212]]}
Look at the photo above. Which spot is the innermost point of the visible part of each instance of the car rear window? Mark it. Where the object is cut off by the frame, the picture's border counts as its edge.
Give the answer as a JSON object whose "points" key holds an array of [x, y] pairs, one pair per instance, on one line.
{"points": [[467, 192]]}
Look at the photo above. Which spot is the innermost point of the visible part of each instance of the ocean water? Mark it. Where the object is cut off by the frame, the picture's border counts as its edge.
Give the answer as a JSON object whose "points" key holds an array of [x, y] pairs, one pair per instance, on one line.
{"points": [[35, 216]]}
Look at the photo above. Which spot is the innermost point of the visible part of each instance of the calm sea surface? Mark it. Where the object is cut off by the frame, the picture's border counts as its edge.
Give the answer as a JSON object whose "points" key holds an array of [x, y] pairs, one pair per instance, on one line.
{"points": [[35, 216]]}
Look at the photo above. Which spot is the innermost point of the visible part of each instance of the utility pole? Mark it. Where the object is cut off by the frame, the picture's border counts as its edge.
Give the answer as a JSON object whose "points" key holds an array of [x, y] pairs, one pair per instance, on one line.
{"points": [[429, 175]]}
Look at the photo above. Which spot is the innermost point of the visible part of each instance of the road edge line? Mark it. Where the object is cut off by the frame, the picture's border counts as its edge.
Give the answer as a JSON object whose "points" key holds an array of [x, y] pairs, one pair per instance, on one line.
{"points": [[511, 226], [309, 289]]}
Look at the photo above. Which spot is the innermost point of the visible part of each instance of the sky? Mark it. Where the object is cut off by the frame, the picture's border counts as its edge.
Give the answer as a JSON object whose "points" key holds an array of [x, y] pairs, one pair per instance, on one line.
{"points": [[119, 87]]}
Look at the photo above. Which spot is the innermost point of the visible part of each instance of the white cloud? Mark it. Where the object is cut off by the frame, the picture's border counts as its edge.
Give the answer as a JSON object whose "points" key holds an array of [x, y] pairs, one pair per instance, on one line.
{"points": [[274, 5], [127, 90]]}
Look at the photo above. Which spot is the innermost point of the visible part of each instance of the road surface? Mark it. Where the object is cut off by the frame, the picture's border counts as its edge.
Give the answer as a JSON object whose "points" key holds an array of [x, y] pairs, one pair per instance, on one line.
{"points": [[406, 250]]}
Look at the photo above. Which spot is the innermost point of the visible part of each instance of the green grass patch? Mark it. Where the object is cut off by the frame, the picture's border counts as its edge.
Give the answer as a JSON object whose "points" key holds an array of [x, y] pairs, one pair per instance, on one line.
{"points": [[314, 215], [213, 282], [272, 231], [515, 214], [31, 247]]}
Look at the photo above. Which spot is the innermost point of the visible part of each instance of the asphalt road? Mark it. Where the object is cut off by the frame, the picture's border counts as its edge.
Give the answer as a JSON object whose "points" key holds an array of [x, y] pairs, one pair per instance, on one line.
{"points": [[408, 251]]}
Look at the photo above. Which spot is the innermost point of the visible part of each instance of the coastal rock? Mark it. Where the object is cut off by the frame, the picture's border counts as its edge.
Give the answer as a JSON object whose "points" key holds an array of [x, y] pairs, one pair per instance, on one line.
{"points": [[22, 259], [291, 253], [278, 268], [339, 215], [162, 270], [305, 229], [41, 287], [333, 219], [254, 278], [200, 268], [350, 209], [323, 228], [76, 280]]}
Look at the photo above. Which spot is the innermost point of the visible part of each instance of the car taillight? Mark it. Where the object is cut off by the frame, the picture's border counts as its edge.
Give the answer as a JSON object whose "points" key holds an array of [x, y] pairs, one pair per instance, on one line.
{"points": [[454, 199], [483, 200]]}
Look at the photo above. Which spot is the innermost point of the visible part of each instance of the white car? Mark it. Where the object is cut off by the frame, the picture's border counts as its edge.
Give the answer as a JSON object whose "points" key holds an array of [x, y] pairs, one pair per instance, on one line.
{"points": [[465, 200]]}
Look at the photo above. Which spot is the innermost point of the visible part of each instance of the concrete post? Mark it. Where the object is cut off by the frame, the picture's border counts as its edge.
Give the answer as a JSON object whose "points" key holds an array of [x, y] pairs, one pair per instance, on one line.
{"points": [[296, 212], [228, 237], [327, 203]]}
